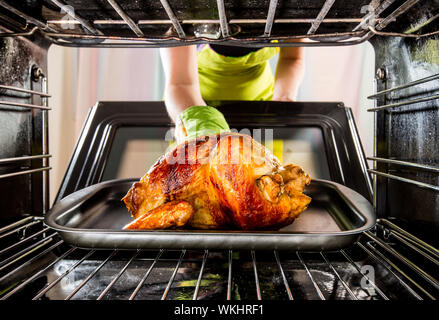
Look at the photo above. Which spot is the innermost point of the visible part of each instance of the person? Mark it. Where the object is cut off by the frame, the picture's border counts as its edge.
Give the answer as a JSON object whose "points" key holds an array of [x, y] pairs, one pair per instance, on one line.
{"points": [[197, 78]]}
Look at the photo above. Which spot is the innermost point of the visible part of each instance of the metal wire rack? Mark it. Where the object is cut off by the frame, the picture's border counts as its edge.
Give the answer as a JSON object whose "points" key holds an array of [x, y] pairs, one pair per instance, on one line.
{"points": [[11, 96], [386, 264], [388, 95], [95, 33]]}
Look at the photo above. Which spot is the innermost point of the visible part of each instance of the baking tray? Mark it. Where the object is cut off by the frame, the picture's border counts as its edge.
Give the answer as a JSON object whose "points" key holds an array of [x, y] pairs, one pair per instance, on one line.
{"points": [[93, 218]]}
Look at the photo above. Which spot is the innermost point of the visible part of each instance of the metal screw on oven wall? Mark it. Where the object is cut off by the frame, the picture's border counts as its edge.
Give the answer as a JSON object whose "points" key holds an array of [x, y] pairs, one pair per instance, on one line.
{"points": [[37, 73], [381, 74]]}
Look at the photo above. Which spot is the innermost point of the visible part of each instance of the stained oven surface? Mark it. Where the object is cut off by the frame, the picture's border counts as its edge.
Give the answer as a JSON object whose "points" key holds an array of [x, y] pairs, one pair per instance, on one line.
{"points": [[396, 260]]}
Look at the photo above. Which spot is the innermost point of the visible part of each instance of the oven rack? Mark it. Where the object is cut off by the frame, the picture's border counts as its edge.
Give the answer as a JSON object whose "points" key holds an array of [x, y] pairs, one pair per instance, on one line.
{"points": [[92, 36], [388, 95], [11, 96], [388, 255]]}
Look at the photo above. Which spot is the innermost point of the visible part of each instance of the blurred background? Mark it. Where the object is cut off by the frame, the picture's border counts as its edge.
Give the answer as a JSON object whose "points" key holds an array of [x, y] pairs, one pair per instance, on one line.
{"points": [[79, 77]]}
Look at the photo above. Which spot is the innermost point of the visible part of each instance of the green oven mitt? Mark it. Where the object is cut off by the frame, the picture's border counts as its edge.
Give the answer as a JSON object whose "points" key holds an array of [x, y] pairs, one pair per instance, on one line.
{"points": [[199, 121]]}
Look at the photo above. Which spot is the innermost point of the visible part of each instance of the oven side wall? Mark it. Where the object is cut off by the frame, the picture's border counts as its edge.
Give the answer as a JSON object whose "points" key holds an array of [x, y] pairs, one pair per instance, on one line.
{"points": [[410, 131], [23, 131]]}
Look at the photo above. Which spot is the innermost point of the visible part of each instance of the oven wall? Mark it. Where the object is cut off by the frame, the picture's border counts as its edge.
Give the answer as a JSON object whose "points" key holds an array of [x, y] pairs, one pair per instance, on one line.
{"points": [[409, 132], [21, 129]]}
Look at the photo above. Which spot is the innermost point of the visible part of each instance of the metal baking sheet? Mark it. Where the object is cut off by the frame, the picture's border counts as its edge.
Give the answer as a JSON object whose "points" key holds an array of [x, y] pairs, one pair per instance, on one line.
{"points": [[93, 218]]}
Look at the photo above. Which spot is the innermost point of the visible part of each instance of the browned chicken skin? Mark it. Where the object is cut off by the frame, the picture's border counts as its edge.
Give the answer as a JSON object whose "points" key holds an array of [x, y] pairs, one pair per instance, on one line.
{"points": [[218, 182], [171, 214]]}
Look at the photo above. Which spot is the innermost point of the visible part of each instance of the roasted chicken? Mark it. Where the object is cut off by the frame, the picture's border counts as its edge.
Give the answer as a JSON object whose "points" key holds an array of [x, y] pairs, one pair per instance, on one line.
{"points": [[221, 181]]}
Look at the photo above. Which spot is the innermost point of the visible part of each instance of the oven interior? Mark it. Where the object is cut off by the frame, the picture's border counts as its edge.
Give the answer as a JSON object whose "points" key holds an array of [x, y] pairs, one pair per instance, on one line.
{"points": [[396, 260]]}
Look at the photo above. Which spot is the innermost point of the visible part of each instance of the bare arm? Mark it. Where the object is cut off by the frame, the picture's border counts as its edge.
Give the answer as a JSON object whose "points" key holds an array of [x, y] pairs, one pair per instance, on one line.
{"points": [[182, 89], [289, 73]]}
